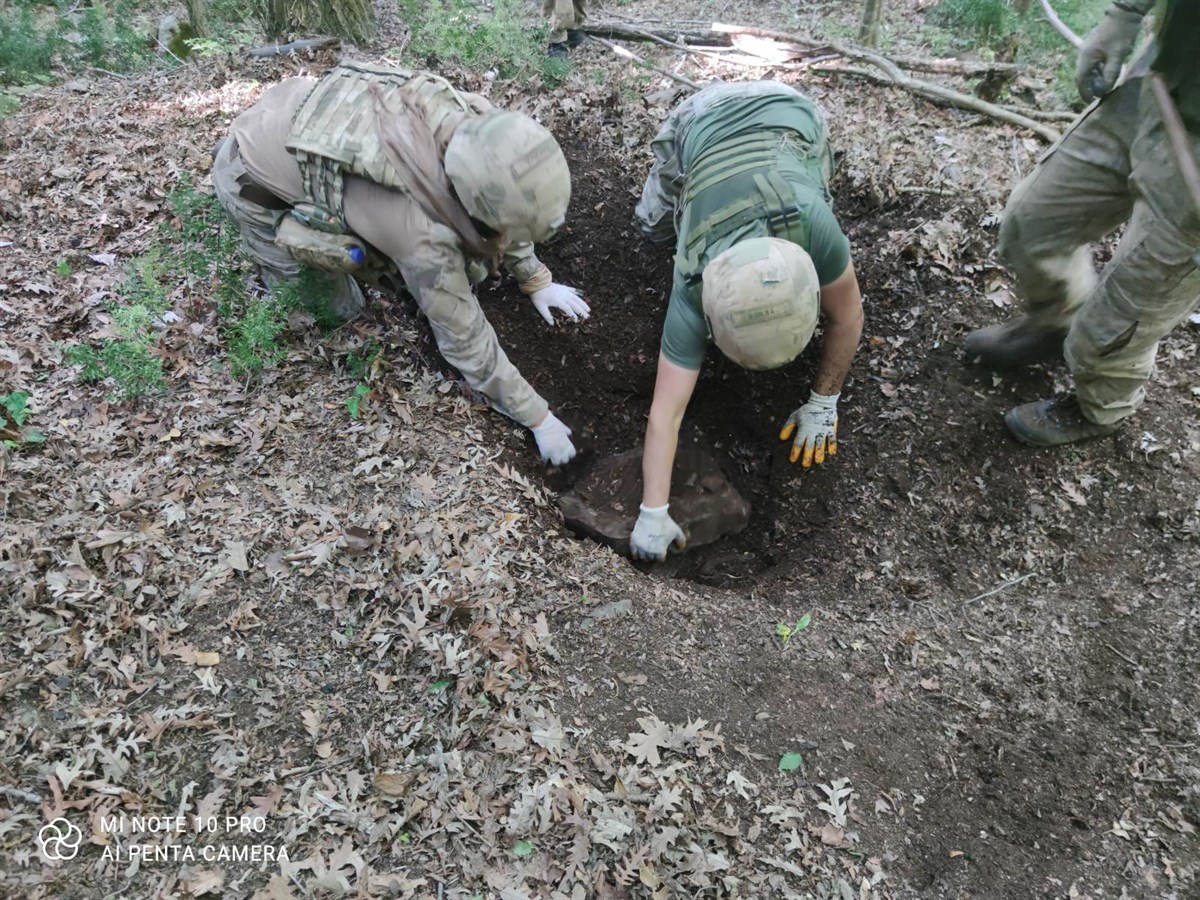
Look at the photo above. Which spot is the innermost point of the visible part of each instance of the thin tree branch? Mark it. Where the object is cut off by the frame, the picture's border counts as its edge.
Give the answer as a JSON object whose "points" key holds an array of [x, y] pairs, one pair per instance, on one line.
{"points": [[633, 57], [890, 73], [946, 96], [1060, 26]]}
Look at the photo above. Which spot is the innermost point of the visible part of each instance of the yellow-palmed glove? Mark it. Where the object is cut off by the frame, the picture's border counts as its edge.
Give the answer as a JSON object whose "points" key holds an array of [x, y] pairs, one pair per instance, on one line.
{"points": [[815, 425], [1104, 50]]}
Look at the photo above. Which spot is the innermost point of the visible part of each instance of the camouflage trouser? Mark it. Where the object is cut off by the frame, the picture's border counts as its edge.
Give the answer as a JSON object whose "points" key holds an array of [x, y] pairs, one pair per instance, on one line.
{"points": [[257, 226], [563, 14], [1113, 165]]}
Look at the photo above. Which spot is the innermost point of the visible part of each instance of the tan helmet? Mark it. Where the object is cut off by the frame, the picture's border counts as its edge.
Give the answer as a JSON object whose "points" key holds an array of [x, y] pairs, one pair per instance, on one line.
{"points": [[510, 174], [761, 299]]}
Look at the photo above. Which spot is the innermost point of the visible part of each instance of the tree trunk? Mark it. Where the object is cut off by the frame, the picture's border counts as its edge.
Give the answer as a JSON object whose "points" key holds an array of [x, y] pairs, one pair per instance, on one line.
{"points": [[868, 32], [197, 17]]}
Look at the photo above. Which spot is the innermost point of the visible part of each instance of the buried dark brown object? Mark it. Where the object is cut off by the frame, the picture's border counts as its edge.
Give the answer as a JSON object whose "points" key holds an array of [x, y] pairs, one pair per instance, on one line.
{"points": [[603, 505]]}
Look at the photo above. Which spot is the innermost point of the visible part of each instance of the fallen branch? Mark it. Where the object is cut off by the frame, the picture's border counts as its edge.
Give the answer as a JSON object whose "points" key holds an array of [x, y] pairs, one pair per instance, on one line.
{"points": [[633, 57], [1011, 583], [1060, 26], [294, 47], [801, 47], [722, 54], [623, 32], [18, 794]]}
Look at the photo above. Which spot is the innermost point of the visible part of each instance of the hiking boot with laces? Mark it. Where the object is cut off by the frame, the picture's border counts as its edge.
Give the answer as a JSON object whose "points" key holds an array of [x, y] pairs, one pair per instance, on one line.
{"points": [[1049, 423], [1013, 344]]}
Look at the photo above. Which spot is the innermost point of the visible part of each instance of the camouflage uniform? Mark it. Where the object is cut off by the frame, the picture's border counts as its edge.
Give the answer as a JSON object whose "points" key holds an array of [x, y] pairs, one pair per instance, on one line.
{"points": [[1113, 165], [563, 15], [257, 180]]}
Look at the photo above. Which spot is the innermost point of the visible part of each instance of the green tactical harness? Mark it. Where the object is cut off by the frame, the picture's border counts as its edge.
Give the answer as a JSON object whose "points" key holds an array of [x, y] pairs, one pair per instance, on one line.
{"points": [[737, 183], [334, 133]]}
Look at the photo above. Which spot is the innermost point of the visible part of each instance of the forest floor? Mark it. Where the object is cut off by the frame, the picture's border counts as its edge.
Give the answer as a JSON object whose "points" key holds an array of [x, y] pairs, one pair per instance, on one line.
{"points": [[239, 599]]}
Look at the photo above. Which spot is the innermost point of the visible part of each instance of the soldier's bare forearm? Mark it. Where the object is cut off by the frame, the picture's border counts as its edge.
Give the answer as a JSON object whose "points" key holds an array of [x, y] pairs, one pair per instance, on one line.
{"points": [[838, 347]]}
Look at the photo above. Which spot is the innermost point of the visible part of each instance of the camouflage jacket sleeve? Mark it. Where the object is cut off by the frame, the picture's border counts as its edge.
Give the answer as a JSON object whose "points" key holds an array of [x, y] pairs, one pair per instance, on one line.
{"points": [[435, 273], [530, 272], [660, 195]]}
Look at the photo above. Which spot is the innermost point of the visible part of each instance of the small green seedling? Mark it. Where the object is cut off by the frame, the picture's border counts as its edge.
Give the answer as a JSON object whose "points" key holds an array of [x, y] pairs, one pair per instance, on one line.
{"points": [[354, 401], [785, 631], [790, 762], [521, 849], [15, 407]]}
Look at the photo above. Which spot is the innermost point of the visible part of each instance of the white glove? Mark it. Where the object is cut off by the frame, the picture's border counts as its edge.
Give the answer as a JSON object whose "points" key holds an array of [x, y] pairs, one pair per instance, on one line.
{"points": [[815, 424], [1098, 65], [560, 297], [554, 440], [654, 533]]}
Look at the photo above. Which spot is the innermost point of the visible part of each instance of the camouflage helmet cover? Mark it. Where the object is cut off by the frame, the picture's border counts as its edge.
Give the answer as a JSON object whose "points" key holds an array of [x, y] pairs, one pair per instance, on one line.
{"points": [[761, 298], [510, 174]]}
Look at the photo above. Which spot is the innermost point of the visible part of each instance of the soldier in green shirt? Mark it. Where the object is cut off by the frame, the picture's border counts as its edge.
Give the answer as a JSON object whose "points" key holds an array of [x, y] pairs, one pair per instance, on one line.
{"points": [[1114, 165], [741, 183]]}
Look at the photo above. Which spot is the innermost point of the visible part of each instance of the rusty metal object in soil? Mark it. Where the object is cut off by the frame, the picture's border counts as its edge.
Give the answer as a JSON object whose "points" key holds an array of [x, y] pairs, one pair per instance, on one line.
{"points": [[603, 505]]}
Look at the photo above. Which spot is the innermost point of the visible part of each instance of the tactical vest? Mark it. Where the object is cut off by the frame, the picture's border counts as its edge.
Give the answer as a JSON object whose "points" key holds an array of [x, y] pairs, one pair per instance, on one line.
{"points": [[334, 133], [741, 181]]}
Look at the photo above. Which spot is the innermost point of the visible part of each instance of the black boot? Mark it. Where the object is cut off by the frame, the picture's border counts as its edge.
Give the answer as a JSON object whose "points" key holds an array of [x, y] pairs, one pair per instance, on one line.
{"points": [[1014, 344], [557, 51], [1048, 423], [575, 38]]}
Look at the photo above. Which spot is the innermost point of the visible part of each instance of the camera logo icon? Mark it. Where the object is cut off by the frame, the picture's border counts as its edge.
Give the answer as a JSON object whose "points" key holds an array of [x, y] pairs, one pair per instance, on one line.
{"points": [[59, 840]]}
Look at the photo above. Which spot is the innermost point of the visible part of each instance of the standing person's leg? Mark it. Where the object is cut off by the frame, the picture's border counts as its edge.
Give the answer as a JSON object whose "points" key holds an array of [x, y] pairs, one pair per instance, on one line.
{"points": [[1077, 193], [1151, 284], [256, 225], [566, 16]]}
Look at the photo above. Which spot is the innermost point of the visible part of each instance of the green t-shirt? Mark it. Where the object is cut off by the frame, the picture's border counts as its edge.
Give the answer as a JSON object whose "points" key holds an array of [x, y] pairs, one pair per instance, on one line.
{"points": [[805, 166]]}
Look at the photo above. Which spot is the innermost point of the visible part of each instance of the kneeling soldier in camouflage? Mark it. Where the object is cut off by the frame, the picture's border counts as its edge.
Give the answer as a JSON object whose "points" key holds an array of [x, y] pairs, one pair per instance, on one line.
{"points": [[384, 175], [741, 182]]}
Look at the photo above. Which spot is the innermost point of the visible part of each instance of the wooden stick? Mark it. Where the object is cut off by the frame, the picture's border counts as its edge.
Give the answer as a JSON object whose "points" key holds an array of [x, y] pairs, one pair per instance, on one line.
{"points": [[1060, 26], [630, 55], [294, 47], [996, 590], [1177, 135]]}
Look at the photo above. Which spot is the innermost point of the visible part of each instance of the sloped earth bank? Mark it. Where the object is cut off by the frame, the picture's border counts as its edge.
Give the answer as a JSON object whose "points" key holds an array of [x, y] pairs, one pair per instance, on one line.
{"points": [[236, 600]]}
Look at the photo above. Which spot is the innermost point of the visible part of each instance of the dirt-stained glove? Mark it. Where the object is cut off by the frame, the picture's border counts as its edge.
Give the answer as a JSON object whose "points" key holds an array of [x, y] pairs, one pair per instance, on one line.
{"points": [[554, 440], [655, 533], [1104, 50], [560, 297], [815, 424]]}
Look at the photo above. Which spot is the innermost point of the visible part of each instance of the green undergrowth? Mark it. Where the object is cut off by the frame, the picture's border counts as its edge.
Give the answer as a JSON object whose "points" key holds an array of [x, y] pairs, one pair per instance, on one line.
{"points": [[1000, 29], [503, 36], [194, 269], [37, 40]]}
